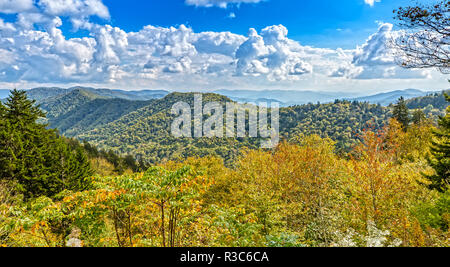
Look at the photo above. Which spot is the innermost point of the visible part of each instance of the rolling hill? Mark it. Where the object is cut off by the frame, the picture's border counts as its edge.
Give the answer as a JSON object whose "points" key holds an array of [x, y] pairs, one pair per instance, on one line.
{"points": [[385, 99], [436, 101], [143, 128]]}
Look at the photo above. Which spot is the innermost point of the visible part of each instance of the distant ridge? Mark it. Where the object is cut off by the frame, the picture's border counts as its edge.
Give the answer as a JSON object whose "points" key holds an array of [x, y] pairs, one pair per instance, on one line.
{"points": [[292, 98], [385, 99], [42, 94], [284, 98]]}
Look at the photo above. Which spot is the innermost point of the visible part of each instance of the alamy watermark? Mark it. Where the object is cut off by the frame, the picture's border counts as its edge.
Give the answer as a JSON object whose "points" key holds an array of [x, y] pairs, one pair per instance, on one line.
{"points": [[233, 124]]}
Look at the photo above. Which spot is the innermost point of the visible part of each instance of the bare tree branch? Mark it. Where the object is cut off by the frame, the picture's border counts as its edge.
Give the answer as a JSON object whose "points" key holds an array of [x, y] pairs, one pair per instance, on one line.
{"points": [[425, 42]]}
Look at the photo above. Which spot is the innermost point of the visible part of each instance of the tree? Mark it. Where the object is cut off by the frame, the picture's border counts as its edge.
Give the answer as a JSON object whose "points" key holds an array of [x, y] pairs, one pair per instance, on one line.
{"points": [[2, 112], [401, 113], [426, 44], [440, 151], [418, 117], [37, 160]]}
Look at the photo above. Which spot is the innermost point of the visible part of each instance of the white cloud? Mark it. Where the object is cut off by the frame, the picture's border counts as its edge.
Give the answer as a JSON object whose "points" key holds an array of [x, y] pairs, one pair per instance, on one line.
{"points": [[34, 50], [371, 2], [76, 8], [271, 53], [375, 59], [15, 6], [218, 3]]}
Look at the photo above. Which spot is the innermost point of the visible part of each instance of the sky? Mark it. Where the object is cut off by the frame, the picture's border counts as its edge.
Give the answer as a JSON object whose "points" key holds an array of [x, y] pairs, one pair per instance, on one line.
{"points": [[205, 45]]}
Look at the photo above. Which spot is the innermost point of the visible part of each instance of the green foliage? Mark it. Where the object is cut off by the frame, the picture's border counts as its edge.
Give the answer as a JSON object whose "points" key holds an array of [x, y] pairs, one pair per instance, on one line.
{"points": [[418, 117], [142, 128], [401, 113], [35, 159], [440, 150], [342, 121], [435, 214], [436, 100]]}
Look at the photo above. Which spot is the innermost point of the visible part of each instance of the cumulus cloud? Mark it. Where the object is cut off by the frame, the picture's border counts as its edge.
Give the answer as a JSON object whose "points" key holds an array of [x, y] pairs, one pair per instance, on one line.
{"points": [[77, 8], [218, 3], [375, 59], [271, 53], [34, 49]]}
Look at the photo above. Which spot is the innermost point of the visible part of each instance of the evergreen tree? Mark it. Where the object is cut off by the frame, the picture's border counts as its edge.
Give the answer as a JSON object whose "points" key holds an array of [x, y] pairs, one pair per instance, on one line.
{"points": [[418, 117], [401, 113], [2, 111], [440, 150], [36, 160]]}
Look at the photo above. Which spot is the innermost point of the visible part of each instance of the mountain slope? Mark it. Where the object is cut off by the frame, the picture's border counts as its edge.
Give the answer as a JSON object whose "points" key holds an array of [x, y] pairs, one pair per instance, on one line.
{"points": [[285, 97], [388, 98], [43, 94], [94, 113], [128, 95], [146, 133], [61, 104], [436, 101]]}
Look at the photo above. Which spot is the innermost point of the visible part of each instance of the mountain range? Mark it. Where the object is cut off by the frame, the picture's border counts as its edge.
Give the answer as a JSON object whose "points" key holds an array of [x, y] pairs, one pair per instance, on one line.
{"points": [[291, 98], [284, 98], [138, 123]]}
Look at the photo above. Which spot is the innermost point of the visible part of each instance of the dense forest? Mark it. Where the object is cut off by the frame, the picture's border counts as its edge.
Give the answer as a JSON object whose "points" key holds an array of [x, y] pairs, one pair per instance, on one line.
{"points": [[142, 128], [346, 174]]}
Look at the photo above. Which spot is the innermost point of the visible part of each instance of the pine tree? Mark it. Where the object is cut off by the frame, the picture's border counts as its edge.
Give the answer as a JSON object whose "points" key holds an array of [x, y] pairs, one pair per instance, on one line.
{"points": [[401, 113], [22, 110], [37, 160], [418, 117], [440, 150]]}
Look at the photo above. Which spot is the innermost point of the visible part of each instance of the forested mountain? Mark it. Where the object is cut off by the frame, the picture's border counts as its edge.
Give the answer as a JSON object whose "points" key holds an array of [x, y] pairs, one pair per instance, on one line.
{"points": [[388, 98], [142, 128], [303, 193], [43, 94], [94, 113], [63, 103], [146, 132], [436, 101], [342, 121]]}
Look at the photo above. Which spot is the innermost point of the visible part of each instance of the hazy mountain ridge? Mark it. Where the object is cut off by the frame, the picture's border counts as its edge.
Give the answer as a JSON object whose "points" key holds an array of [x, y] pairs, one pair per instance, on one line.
{"points": [[292, 98], [436, 101], [385, 99]]}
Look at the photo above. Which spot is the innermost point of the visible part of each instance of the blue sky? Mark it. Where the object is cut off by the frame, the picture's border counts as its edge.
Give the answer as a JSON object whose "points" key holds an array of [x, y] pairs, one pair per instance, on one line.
{"points": [[322, 23], [203, 45]]}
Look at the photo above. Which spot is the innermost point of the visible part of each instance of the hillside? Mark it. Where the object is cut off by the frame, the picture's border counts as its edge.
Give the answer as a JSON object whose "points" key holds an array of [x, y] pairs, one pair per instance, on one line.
{"points": [[146, 132], [436, 101], [385, 99], [61, 104], [94, 113], [42, 94], [342, 121], [142, 128]]}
